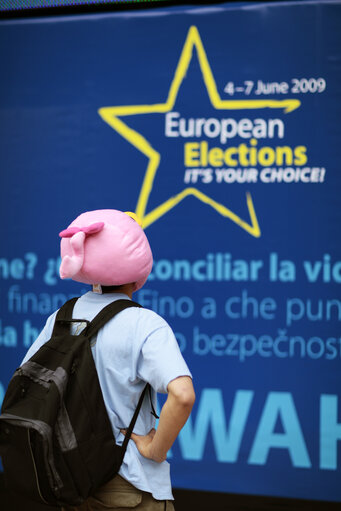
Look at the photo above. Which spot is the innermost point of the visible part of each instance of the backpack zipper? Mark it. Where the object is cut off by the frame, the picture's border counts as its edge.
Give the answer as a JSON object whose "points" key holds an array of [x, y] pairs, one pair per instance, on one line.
{"points": [[35, 468]]}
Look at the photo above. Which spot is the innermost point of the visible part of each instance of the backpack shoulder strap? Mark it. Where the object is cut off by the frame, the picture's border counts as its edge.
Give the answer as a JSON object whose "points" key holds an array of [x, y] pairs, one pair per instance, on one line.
{"points": [[108, 313], [133, 420], [64, 316]]}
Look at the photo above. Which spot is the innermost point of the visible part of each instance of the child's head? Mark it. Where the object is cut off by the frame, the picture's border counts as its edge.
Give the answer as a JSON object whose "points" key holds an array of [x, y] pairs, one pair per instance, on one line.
{"points": [[106, 247]]}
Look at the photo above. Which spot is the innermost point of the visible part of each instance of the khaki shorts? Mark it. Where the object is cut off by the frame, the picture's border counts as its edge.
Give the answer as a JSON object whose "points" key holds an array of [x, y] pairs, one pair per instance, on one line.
{"points": [[119, 495]]}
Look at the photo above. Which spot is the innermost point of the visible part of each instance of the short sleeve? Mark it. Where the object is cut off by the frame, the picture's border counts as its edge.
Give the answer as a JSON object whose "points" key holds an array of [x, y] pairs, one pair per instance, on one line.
{"points": [[160, 359]]}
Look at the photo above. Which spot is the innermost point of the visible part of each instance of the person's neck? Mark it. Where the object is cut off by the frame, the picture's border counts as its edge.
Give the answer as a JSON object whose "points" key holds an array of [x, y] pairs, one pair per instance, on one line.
{"points": [[126, 289]]}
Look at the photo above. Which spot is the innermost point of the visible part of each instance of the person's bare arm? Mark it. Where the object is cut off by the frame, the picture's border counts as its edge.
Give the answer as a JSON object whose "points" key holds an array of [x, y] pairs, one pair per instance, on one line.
{"points": [[173, 416]]}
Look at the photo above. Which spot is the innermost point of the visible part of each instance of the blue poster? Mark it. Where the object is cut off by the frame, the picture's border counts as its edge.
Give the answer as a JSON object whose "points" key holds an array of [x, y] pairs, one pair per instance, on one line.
{"points": [[219, 126]]}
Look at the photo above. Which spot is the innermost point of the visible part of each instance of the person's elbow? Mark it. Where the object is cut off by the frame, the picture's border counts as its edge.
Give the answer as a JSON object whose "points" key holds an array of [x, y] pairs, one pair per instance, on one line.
{"points": [[182, 391], [188, 399]]}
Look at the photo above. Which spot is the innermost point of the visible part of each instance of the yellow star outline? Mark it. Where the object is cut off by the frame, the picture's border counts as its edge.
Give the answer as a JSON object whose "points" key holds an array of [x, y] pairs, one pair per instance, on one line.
{"points": [[111, 116]]}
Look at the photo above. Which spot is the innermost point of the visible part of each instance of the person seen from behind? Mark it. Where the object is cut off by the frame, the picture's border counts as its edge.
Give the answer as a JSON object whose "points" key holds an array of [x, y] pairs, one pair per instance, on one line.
{"points": [[109, 250]]}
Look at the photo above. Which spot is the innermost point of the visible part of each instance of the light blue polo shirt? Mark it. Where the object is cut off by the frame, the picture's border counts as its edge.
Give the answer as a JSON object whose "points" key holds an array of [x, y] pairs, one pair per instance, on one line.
{"points": [[135, 347]]}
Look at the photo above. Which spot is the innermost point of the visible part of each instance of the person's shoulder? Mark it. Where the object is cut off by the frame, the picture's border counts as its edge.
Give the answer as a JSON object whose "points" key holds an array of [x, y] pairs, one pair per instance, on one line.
{"points": [[148, 318], [150, 315], [42, 338]]}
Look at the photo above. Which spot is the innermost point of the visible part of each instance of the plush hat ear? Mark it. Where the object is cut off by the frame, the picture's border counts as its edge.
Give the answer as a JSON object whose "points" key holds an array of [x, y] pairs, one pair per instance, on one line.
{"points": [[88, 229]]}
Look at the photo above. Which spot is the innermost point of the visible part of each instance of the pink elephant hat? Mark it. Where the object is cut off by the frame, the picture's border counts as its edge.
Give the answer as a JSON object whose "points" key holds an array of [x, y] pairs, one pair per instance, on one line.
{"points": [[106, 247]]}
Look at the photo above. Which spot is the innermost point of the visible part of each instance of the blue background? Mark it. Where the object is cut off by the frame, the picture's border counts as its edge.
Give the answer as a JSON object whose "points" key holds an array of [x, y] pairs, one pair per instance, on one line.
{"points": [[58, 158]]}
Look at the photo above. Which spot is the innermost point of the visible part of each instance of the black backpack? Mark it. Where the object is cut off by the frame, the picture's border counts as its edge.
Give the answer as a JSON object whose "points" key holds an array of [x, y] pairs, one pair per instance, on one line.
{"points": [[56, 440]]}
